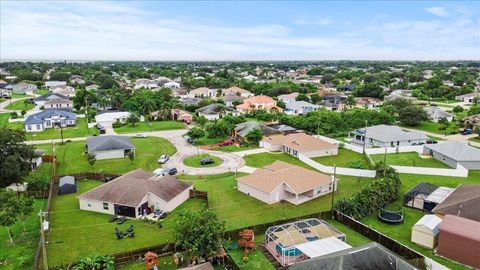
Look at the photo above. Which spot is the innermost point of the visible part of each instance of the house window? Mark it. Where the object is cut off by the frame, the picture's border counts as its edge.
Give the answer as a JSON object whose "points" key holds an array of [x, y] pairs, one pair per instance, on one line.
{"points": [[105, 206], [29, 127], [38, 126], [89, 204]]}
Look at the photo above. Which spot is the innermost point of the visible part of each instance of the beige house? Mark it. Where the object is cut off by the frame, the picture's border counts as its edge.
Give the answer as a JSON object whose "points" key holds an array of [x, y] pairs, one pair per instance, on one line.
{"points": [[203, 92], [425, 231], [299, 143], [58, 103], [63, 90], [282, 181], [136, 193], [237, 91]]}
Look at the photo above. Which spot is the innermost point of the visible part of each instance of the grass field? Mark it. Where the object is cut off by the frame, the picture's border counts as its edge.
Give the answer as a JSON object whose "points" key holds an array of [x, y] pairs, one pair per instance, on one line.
{"points": [[256, 259], [409, 159], [194, 161], [150, 126], [15, 95], [208, 141], [240, 210], [476, 139], [20, 105], [235, 148], [435, 128], [263, 159], [21, 256], [71, 157], [402, 232], [75, 233], [345, 158]]}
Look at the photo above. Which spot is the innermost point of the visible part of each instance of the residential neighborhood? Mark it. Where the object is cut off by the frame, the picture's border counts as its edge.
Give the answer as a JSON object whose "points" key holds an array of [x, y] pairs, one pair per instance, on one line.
{"points": [[239, 135]]}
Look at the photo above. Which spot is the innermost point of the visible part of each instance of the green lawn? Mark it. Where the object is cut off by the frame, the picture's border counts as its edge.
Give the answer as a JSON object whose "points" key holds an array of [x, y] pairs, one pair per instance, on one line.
{"points": [[150, 126], [71, 157], [239, 210], [263, 159], [476, 139], [4, 119], [20, 105], [345, 158], [208, 141], [235, 148], [256, 259], [21, 256], [42, 92], [194, 161], [434, 128], [75, 233], [15, 95], [409, 159], [402, 232], [80, 130]]}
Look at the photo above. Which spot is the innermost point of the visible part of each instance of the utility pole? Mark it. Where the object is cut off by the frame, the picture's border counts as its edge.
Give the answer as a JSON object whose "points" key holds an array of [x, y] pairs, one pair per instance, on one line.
{"points": [[365, 137]]}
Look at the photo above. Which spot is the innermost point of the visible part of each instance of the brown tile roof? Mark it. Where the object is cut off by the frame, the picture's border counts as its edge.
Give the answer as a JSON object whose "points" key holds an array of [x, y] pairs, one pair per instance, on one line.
{"points": [[260, 99], [299, 179], [300, 142], [130, 188], [463, 202]]}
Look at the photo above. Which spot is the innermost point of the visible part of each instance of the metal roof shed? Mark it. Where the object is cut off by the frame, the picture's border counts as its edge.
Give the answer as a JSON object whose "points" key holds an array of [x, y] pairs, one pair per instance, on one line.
{"points": [[425, 231]]}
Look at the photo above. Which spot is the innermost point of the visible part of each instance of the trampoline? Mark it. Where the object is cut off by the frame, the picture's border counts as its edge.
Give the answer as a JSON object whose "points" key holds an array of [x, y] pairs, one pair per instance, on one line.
{"points": [[390, 216]]}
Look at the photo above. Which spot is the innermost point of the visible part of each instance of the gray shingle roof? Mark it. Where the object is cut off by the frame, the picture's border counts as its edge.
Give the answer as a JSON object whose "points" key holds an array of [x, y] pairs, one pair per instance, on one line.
{"points": [[38, 118], [385, 133], [213, 108], [50, 96], [243, 129], [436, 112], [109, 142], [456, 150]]}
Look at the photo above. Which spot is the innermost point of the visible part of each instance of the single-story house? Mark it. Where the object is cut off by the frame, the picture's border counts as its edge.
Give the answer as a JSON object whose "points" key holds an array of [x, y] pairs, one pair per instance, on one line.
{"points": [[237, 91], [367, 102], [77, 81], [300, 107], [180, 93], [108, 118], [259, 103], [40, 101], [25, 88], [368, 256], [92, 87], [425, 231], [216, 111], [4, 92], [459, 240], [189, 101], [110, 146], [454, 154], [181, 115], [288, 98], [203, 92], [436, 114], [50, 84], [468, 97], [58, 103], [145, 83], [282, 181], [472, 120], [67, 185], [65, 90], [284, 129], [464, 202], [386, 136], [241, 130], [136, 192], [299, 143], [231, 100], [172, 85], [49, 119]]}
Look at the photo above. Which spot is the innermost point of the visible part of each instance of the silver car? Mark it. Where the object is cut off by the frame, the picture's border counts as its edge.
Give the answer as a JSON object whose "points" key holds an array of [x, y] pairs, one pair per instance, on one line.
{"points": [[163, 159]]}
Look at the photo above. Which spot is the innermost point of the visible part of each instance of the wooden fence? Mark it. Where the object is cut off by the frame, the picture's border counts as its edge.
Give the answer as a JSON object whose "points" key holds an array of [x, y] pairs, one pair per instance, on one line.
{"points": [[89, 175], [376, 236], [198, 194]]}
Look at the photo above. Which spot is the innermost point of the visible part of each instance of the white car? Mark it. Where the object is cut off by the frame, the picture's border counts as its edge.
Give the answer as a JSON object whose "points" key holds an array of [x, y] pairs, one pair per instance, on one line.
{"points": [[163, 158], [140, 135], [159, 172]]}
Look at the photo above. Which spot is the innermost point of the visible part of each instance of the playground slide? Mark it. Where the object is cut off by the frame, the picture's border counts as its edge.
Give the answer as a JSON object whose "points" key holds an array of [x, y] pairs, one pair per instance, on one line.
{"points": [[155, 267], [233, 246]]}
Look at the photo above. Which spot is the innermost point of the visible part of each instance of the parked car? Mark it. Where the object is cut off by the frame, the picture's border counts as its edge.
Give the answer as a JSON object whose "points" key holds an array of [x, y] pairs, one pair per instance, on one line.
{"points": [[226, 142], [163, 158], [102, 130], [206, 161], [171, 171], [188, 139], [159, 172], [140, 135], [430, 141], [467, 131]]}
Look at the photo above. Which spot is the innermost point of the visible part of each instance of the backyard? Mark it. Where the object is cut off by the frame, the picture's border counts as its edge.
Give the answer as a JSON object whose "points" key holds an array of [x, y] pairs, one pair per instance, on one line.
{"points": [[345, 158], [409, 159], [263, 159], [402, 232], [72, 159], [83, 233], [150, 126]]}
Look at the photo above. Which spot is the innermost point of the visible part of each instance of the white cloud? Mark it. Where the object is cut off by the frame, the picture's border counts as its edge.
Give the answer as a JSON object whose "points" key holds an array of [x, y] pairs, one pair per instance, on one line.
{"points": [[321, 21], [438, 11]]}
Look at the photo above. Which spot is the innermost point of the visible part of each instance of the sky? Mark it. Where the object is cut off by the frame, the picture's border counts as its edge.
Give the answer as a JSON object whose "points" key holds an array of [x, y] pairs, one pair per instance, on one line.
{"points": [[236, 30]]}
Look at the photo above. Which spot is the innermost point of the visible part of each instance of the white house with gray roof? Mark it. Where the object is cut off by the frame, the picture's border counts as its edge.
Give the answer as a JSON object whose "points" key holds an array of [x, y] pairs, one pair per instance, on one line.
{"points": [[300, 107], [49, 119], [386, 136], [436, 114], [454, 153], [24, 88], [216, 111], [110, 146], [40, 101]]}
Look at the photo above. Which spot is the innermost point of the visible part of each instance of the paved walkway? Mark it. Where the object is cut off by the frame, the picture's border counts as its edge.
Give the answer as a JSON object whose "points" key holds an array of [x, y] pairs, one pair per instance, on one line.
{"points": [[250, 152]]}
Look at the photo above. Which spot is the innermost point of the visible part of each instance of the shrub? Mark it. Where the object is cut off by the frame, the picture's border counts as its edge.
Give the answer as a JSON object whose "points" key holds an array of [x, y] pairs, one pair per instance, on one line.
{"points": [[356, 165], [341, 145]]}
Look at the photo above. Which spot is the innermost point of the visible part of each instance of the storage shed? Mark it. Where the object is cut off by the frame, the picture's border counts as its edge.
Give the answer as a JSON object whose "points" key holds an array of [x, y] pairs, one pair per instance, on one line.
{"points": [[459, 240], [67, 185], [425, 231]]}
